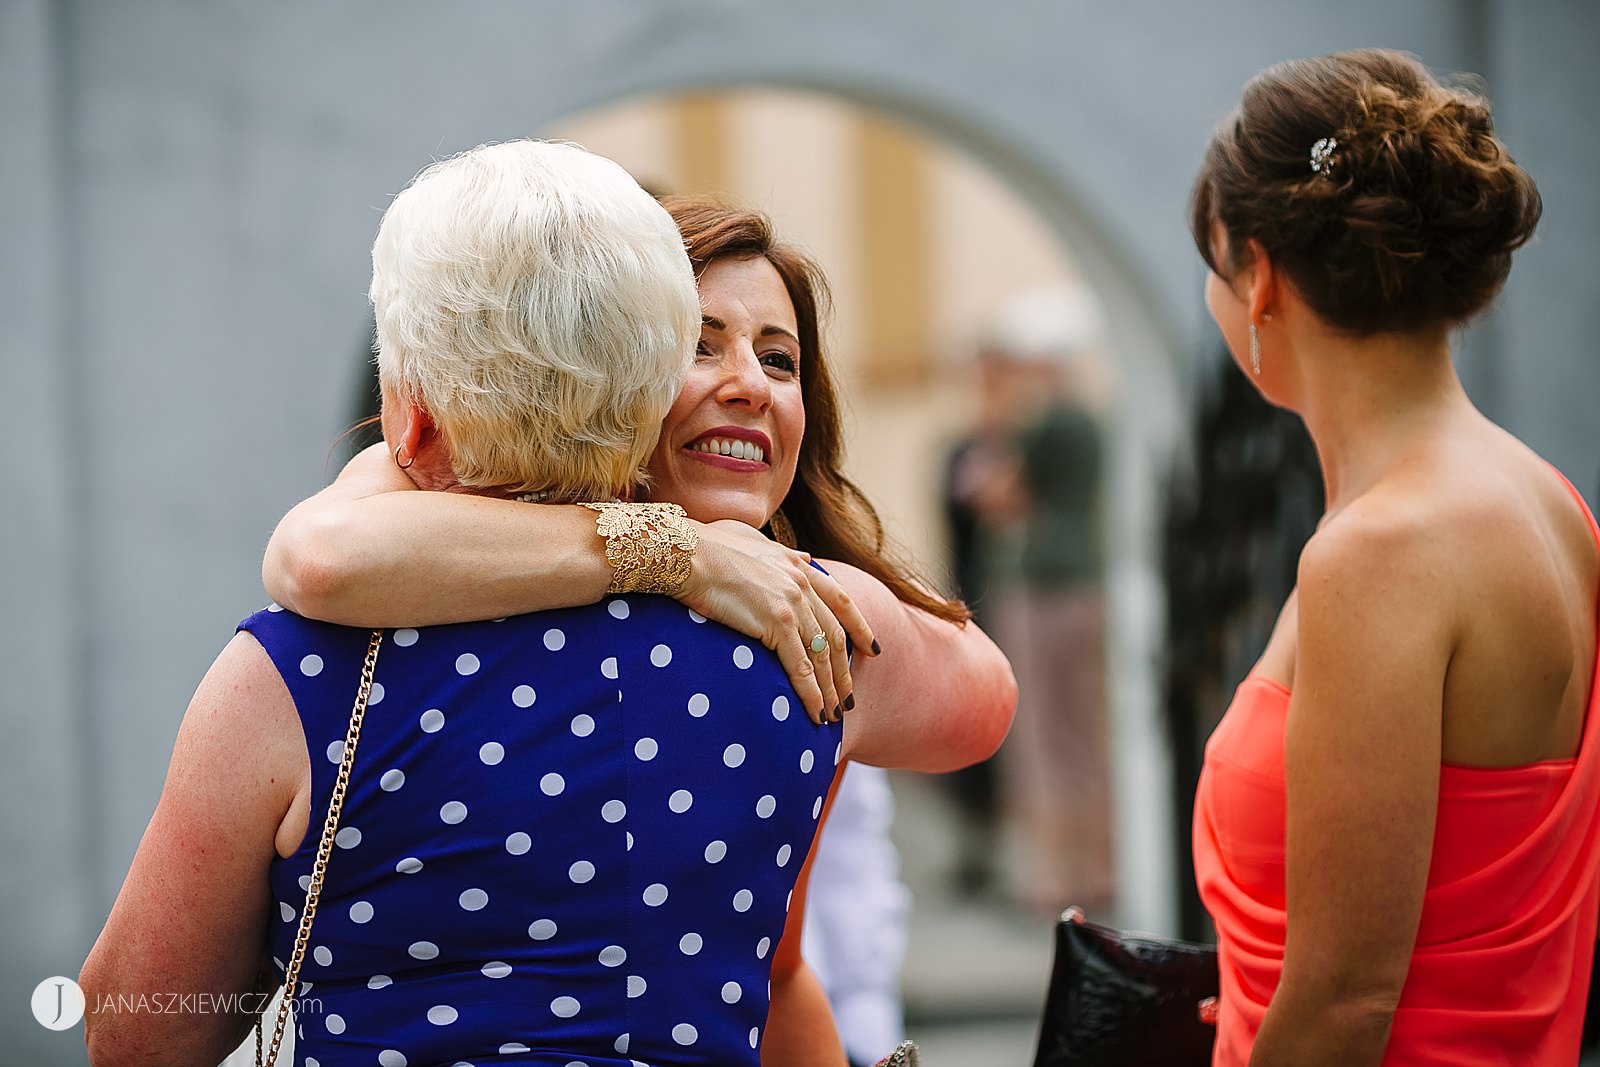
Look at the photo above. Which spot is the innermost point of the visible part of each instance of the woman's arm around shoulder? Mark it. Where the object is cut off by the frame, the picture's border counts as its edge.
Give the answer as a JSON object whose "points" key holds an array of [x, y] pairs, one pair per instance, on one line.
{"points": [[193, 914], [1377, 628], [370, 550], [939, 696], [366, 552]]}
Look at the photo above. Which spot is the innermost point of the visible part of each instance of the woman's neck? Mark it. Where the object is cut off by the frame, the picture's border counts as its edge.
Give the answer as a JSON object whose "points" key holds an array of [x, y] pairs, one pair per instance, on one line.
{"points": [[1371, 402]]}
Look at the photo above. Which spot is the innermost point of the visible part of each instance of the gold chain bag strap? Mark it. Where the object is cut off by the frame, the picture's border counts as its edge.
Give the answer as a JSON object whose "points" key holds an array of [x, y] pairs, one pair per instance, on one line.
{"points": [[319, 868]]}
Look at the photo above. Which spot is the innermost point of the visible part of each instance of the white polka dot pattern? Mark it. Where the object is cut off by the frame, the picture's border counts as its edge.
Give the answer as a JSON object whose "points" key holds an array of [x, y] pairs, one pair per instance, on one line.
{"points": [[507, 810]]}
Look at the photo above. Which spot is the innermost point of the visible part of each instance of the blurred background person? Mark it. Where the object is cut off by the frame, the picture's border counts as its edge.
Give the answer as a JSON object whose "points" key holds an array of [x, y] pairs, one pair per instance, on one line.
{"points": [[1038, 495], [975, 468], [1241, 508]]}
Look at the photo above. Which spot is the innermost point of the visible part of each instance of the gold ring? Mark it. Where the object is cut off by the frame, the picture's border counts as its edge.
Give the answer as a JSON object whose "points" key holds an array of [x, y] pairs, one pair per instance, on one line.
{"points": [[819, 643]]}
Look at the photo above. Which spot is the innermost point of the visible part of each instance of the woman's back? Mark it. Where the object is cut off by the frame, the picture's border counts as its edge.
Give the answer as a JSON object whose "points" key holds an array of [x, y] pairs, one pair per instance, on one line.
{"points": [[1523, 576], [569, 837]]}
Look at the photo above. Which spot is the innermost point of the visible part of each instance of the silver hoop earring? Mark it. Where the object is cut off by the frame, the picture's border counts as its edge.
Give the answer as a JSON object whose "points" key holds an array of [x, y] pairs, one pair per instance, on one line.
{"points": [[1255, 350], [407, 465]]}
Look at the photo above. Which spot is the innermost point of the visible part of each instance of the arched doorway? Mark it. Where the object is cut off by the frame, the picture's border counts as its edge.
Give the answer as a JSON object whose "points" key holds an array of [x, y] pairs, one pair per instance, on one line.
{"points": [[923, 223]]}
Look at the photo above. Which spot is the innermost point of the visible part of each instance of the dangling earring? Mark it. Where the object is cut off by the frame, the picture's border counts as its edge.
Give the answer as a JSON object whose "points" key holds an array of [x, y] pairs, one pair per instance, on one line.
{"points": [[1255, 350], [781, 529], [407, 465]]}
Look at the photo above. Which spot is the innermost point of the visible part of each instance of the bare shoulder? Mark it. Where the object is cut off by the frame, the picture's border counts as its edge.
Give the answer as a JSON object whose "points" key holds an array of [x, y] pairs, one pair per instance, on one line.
{"points": [[1381, 538]]}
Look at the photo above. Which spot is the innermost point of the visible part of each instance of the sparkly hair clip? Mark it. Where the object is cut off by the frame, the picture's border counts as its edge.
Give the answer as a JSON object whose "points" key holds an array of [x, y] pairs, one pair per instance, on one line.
{"points": [[1322, 156]]}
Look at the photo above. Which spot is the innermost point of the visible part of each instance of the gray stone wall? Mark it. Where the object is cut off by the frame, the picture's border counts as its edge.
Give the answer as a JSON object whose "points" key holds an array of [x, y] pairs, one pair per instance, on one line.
{"points": [[191, 189]]}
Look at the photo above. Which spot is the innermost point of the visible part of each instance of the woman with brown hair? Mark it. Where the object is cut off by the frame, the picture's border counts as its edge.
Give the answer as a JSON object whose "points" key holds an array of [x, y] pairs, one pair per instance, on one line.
{"points": [[1397, 827], [753, 441]]}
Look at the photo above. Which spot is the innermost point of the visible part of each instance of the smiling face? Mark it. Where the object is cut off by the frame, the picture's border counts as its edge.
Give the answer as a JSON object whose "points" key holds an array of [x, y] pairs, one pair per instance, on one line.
{"points": [[730, 443]]}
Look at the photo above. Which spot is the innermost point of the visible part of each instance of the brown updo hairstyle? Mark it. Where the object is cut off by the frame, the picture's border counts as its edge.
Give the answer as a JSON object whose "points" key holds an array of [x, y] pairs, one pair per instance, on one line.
{"points": [[831, 517], [1412, 220]]}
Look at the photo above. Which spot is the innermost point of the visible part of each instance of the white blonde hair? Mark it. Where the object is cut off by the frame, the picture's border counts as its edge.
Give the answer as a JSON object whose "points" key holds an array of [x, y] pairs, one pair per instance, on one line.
{"points": [[539, 305]]}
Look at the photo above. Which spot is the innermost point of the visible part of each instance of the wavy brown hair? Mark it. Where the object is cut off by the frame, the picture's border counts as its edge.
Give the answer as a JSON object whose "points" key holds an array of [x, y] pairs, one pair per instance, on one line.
{"points": [[831, 517]]}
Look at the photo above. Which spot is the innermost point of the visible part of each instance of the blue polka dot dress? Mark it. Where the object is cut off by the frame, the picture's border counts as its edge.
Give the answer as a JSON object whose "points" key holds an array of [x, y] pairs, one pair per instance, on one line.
{"points": [[569, 839]]}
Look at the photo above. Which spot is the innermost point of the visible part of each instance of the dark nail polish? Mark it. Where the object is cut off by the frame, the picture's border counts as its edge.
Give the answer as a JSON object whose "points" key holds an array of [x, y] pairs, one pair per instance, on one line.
{"points": [[838, 713], [850, 702], [875, 649]]}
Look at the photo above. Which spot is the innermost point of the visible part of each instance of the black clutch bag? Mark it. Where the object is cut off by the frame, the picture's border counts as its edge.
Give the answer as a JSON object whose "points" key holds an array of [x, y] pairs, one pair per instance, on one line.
{"points": [[1120, 1000]]}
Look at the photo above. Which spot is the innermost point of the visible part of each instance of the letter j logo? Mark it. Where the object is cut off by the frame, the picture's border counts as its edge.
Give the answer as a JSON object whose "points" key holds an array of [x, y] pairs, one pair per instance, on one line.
{"points": [[58, 1003]]}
